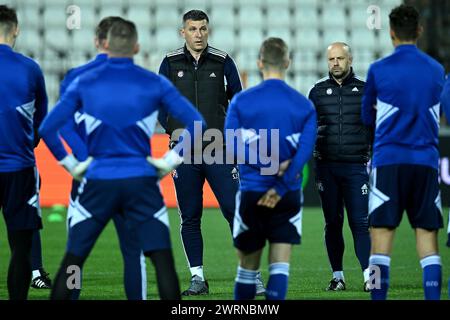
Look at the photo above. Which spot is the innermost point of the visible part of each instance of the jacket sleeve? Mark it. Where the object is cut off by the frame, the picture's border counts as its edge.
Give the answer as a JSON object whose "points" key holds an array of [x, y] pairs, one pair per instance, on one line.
{"points": [[301, 157], [165, 71], [58, 117], [41, 104], [369, 100], [233, 133], [232, 77], [70, 132], [311, 95], [445, 99]]}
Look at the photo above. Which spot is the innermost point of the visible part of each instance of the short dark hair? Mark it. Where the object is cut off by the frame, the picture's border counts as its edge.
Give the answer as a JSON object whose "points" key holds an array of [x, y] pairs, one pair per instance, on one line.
{"points": [[195, 15], [404, 21], [101, 31], [274, 52], [8, 20], [122, 37]]}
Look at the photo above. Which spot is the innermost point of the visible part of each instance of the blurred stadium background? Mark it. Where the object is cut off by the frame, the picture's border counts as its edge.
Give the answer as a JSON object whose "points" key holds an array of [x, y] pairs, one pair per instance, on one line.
{"points": [[59, 35], [237, 27]]}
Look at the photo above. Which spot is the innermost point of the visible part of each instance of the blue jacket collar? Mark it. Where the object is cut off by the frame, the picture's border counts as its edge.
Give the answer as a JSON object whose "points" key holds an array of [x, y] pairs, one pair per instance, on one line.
{"points": [[5, 47], [120, 60], [101, 57], [406, 47]]}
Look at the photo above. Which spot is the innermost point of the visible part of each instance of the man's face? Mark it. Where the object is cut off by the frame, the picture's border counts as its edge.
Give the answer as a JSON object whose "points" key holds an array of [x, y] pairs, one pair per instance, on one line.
{"points": [[339, 61], [196, 34]]}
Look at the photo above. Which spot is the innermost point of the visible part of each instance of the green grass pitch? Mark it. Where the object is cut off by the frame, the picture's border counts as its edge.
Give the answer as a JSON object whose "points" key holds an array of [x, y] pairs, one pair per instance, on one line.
{"points": [[309, 271]]}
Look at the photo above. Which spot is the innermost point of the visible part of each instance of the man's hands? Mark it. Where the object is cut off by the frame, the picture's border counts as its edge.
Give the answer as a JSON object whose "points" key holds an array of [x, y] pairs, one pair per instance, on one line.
{"points": [[76, 169], [271, 198], [166, 164]]}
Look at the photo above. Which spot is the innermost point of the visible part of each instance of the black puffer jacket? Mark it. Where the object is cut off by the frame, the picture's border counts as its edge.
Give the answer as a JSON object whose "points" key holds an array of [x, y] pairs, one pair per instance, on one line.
{"points": [[341, 135]]}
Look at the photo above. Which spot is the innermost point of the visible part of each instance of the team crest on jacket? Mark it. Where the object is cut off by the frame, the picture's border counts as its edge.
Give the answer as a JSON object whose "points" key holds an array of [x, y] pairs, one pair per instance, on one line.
{"points": [[329, 91], [180, 74], [235, 174], [364, 189]]}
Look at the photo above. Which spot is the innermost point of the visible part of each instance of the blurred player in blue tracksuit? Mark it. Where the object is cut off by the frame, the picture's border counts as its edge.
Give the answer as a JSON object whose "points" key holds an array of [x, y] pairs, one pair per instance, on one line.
{"points": [[445, 104], [120, 102], [23, 106], [135, 277], [269, 204], [401, 100]]}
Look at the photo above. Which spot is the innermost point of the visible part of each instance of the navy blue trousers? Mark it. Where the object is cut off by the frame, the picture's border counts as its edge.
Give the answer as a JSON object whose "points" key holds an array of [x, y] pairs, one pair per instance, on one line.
{"points": [[189, 180], [344, 185], [36, 250], [134, 265]]}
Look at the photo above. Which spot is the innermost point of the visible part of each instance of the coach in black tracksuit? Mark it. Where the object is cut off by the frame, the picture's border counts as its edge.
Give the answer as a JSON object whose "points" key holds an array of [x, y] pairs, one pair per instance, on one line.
{"points": [[341, 154], [209, 78]]}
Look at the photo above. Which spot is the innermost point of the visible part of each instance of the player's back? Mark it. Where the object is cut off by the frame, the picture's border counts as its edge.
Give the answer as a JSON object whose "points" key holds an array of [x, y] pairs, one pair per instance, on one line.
{"points": [[408, 85], [73, 73], [120, 103], [23, 104], [272, 105], [74, 130]]}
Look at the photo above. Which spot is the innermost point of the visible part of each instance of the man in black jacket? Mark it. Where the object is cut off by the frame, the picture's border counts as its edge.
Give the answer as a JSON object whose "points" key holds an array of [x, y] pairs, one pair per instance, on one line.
{"points": [[208, 77], [341, 155]]}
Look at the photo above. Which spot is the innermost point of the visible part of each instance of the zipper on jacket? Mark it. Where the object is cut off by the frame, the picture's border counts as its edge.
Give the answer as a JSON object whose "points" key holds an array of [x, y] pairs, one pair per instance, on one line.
{"points": [[196, 84], [340, 118]]}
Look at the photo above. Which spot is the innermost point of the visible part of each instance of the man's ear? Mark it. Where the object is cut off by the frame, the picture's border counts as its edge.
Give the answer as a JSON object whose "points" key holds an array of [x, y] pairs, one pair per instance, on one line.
{"points": [[182, 33], [419, 31], [392, 34], [137, 48], [287, 63], [260, 64], [96, 43], [106, 44]]}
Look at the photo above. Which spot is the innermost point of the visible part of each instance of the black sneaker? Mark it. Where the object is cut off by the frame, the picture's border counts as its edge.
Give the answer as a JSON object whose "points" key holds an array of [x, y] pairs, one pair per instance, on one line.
{"points": [[197, 287], [336, 285], [260, 289], [43, 281]]}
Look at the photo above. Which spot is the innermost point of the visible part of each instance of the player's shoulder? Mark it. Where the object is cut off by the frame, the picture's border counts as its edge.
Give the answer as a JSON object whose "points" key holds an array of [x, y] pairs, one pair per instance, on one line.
{"points": [[321, 82], [356, 81], [76, 71], [175, 54], [214, 52], [318, 84], [86, 76], [383, 62], [145, 73], [249, 93], [298, 97], [150, 78], [28, 62], [433, 62]]}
